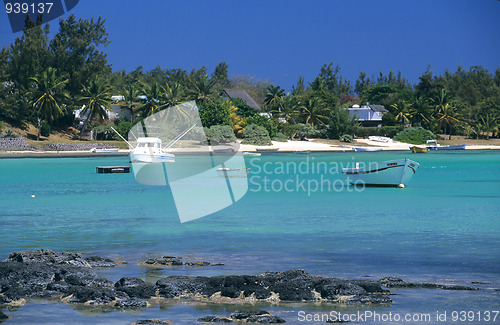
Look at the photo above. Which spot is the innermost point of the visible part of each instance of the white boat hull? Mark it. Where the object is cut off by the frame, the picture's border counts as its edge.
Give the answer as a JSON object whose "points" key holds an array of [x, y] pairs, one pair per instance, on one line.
{"points": [[368, 149], [152, 158], [104, 150], [393, 173]]}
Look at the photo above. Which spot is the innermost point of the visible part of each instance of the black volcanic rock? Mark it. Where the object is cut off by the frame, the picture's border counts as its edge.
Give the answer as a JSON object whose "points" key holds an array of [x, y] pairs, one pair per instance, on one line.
{"points": [[3, 316], [131, 303], [46, 256], [98, 261], [135, 287]]}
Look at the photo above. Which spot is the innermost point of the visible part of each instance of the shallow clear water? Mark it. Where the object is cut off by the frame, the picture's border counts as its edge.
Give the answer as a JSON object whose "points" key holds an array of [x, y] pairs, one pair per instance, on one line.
{"points": [[444, 225]]}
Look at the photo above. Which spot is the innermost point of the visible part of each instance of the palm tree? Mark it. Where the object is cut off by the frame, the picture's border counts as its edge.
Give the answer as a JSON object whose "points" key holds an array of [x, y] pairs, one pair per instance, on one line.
{"points": [[313, 111], [446, 112], [202, 87], [402, 108], [489, 124], [152, 103], [131, 92], [48, 95], [447, 117], [274, 95], [173, 94], [419, 111], [287, 108], [97, 100]]}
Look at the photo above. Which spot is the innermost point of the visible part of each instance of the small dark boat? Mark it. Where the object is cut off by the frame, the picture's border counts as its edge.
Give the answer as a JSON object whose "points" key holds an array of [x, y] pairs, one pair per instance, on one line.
{"points": [[267, 149]]}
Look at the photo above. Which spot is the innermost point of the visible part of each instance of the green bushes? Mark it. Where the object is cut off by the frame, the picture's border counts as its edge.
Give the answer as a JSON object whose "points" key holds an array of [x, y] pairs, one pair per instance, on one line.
{"points": [[416, 135], [215, 113], [346, 138], [265, 122], [280, 137], [218, 134], [123, 127], [306, 131], [256, 135]]}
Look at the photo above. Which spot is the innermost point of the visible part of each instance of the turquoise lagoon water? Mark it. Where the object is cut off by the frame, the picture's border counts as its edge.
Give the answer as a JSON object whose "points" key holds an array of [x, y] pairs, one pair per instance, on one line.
{"points": [[444, 227]]}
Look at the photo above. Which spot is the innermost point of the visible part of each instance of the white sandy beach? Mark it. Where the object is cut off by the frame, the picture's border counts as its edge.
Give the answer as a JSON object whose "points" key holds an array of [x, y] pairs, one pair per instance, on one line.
{"points": [[289, 146]]}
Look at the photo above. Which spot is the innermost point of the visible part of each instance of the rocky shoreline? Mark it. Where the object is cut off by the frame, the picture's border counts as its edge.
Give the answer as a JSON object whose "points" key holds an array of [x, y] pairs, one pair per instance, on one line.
{"points": [[72, 278]]}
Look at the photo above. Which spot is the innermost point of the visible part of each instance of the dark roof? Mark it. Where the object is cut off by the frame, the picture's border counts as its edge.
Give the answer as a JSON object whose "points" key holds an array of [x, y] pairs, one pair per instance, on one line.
{"points": [[242, 94], [378, 108]]}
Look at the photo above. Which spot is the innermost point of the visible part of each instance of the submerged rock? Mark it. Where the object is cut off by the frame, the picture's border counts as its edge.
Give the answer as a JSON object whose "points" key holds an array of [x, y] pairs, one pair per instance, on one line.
{"points": [[214, 319], [152, 322], [261, 317], [394, 282]]}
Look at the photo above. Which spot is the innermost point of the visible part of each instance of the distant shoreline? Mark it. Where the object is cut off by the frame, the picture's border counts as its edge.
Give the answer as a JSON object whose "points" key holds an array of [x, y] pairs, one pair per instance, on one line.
{"points": [[289, 147]]}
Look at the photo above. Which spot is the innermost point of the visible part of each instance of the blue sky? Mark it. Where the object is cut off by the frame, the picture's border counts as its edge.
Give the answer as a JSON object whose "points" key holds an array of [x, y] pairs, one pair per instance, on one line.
{"points": [[280, 40]]}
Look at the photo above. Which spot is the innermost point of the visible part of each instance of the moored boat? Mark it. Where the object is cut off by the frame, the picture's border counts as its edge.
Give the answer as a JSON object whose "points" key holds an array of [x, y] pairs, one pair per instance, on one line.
{"points": [[149, 150], [433, 145], [267, 149], [101, 150], [416, 149], [392, 173], [251, 154], [457, 147], [361, 149]]}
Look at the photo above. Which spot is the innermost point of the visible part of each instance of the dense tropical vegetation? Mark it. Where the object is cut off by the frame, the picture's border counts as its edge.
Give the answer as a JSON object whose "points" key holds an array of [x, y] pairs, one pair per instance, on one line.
{"points": [[43, 80]]}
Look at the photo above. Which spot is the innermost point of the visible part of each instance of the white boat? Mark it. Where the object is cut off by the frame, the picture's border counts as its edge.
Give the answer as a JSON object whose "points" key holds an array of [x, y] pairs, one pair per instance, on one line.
{"points": [[233, 172], [251, 154], [433, 145], [392, 173], [149, 150], [358, 149], [379, 138], [96, 150]]}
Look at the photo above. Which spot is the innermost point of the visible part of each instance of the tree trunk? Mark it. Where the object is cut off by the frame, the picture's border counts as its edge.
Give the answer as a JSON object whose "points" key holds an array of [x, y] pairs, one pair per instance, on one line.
{"points": [[39, 129]]}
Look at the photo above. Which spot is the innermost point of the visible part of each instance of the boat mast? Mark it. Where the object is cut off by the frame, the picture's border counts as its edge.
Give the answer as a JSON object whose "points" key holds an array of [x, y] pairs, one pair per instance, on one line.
{"points": [[177, 138], [130, 146]]}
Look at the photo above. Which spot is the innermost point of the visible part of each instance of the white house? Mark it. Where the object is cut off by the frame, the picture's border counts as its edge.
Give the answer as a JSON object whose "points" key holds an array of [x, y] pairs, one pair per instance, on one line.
{"points": [[368, 115]]}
